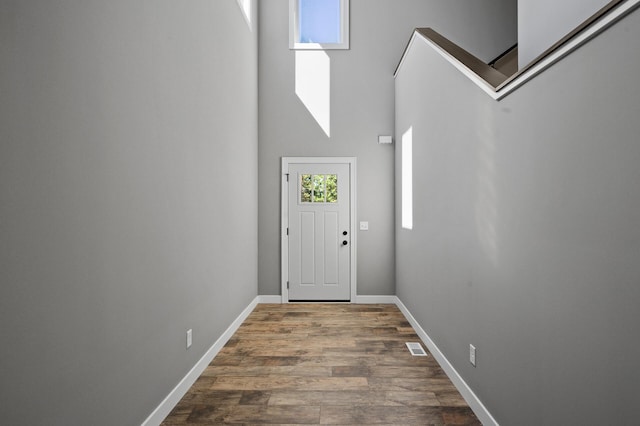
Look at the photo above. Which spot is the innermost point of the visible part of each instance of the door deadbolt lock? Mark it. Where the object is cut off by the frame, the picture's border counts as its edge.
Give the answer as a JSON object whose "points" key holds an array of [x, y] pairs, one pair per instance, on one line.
{"points": [[344, 232]]}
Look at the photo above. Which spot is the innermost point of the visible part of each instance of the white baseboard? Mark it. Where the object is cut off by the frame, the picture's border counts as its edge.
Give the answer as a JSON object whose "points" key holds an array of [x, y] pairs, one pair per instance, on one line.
{"points": [[165, 407], [270, 299], [364, 300], [474, 402]]}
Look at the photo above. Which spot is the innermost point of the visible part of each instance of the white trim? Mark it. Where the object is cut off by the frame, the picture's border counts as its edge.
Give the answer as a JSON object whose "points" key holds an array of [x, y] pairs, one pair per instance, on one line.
{"points": [[294, 30], [284, 214], [592, 31], [171, 400], [472, 399], [368, 300], [270, 299]]}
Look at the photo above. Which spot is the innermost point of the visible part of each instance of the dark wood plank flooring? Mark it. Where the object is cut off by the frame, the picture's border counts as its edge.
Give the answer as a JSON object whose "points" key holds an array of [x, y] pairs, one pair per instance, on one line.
{"points": [[333, 364]]}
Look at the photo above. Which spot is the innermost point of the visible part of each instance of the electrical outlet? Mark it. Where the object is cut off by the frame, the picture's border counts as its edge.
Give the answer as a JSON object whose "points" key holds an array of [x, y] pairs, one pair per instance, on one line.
{"points": [[189, 337], [472, 355]]}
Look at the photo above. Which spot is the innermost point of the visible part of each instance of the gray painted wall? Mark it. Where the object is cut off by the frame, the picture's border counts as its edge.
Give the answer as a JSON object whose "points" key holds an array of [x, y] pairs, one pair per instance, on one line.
{"points": [[362, 107], [128, 180], [541, 23], [526, 239]]}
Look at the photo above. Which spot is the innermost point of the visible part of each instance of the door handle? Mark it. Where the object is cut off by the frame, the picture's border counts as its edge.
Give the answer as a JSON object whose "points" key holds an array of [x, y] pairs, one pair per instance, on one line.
{"points": [[344, 243]]}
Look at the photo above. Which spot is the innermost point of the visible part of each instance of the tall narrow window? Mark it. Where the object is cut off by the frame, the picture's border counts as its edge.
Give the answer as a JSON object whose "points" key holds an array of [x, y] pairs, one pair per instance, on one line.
{"points": [[318, 24], [407, 179]]}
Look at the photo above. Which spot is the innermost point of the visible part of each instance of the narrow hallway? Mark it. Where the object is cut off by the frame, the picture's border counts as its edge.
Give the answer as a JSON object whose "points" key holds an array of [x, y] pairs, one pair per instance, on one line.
{"points": [[322, 364]]}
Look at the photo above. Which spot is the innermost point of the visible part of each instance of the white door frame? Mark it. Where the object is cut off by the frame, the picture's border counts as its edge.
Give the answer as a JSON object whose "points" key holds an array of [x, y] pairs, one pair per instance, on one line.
{"points": [[284, 215]]}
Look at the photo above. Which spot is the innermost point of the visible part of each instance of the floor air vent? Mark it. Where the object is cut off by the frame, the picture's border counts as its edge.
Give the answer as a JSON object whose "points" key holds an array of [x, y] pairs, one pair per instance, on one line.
{"points": [[416, 349]]}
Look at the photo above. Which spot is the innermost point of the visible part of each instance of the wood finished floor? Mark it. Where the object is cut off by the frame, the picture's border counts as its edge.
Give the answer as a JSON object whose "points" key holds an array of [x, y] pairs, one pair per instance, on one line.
{"points": [[322, 364]]}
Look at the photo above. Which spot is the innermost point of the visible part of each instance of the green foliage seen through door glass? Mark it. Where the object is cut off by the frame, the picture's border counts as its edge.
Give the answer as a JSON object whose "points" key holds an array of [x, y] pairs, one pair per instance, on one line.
{"points": [[319, 188], [332, 188], [306, 190]]}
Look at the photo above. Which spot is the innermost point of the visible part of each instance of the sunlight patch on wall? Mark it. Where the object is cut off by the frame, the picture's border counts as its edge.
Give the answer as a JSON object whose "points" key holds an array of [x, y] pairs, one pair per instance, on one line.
{"points": [[245, 7], [407, 179], [313, 85]]}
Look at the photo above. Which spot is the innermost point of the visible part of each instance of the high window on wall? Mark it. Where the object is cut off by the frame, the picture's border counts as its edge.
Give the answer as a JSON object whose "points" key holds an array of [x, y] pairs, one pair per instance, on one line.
{"points": [[319, 24]]}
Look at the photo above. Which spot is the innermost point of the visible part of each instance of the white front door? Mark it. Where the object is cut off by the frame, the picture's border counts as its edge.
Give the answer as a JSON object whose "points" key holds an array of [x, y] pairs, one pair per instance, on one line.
{"points": [[319, 232]]}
